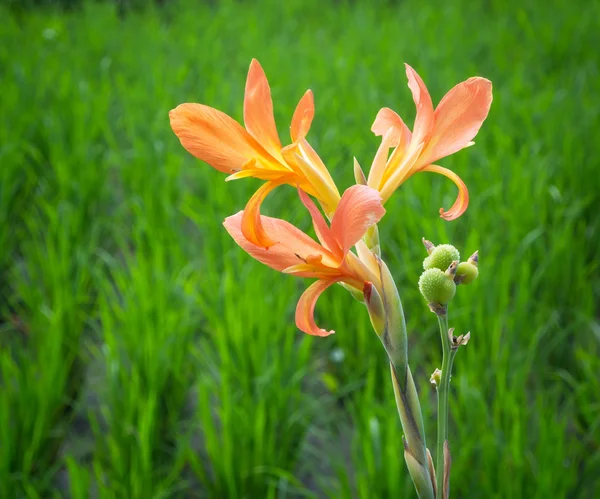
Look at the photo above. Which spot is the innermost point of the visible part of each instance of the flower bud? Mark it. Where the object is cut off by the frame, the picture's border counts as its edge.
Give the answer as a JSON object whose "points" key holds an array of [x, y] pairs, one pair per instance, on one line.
{"points": [[359, 175], [436, 286], [441, 257], [436, 378], [466, 272]]}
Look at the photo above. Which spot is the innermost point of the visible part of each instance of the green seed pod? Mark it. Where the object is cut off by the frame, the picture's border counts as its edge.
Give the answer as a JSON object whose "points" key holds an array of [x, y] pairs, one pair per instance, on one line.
{"points": [[466, 272], [441, 257], [436, 286]]}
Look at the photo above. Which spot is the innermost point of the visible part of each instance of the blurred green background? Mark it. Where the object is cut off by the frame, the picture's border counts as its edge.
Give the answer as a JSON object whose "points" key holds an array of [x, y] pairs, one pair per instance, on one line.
{"points": [[144, 355]]}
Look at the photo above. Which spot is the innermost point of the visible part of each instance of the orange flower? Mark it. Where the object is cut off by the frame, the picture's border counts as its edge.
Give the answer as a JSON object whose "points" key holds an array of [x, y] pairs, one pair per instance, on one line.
{"points": [[436, 134], [330, 261], [255, 151]]}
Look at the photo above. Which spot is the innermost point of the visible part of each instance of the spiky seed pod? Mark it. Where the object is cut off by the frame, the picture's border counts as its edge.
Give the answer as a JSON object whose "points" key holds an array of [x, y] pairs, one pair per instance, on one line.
{"points": [[436, 286], [441, 257]]}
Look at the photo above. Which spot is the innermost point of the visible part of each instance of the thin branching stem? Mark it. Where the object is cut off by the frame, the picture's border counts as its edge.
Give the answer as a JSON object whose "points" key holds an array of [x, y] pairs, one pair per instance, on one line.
{"points": [[443, 390]]}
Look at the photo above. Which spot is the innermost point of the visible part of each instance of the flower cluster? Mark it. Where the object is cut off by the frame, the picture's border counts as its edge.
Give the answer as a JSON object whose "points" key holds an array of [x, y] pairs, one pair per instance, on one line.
{"points": [[346, 249]]}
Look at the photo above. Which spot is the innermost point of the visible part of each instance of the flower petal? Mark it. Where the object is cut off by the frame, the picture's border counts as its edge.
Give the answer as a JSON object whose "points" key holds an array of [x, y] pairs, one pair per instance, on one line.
{"points": [[458, 118], [386, 119], [258, 110], [252, 227], [424, 119], [331, 193], [305, 310], [214, 137], [379, 164], [311, 270], [321, 229], [260, 173], [393, 177], [359, 209], [462, 201], [367, 257], [303, 116], [303, 159], [360, 271], [292, 248]]}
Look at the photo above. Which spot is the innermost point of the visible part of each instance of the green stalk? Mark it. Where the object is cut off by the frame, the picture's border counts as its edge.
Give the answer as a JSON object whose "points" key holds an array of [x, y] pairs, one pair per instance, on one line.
{"points": [[443, 390], [387, 318]]}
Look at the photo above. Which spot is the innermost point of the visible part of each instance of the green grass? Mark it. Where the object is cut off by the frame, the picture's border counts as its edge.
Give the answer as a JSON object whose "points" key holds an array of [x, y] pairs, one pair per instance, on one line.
{"points": [[144, 355]]}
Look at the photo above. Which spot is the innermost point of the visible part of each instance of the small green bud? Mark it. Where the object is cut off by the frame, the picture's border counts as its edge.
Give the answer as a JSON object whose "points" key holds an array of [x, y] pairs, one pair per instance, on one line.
{"points": [[359, 175], [436, 378], [436, 286], [466, 272], [441, 257]]}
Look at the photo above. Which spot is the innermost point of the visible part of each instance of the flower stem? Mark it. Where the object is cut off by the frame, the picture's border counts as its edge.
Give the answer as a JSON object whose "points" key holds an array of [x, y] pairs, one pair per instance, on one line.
{"points": [[387, 317], [443, 391]]}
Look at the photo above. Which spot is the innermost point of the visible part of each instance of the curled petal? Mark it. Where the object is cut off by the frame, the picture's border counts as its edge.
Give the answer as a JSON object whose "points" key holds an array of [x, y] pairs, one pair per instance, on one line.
{"points": [[424, 118], [292, 248], [305, 310], [359, 209], [462, 201], [303, 116], [214, 137], [258, 110], [387, 119], [458, 118], [252, 227]]}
